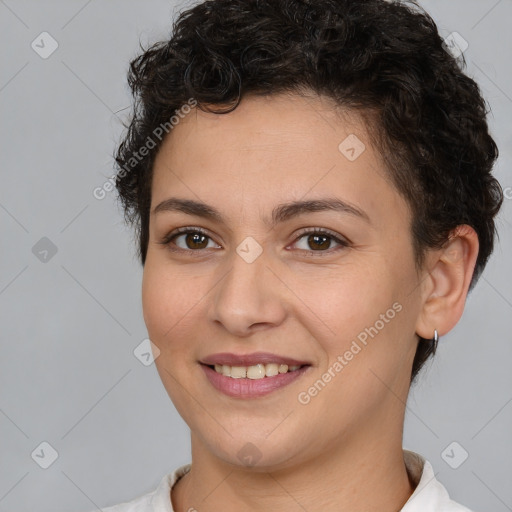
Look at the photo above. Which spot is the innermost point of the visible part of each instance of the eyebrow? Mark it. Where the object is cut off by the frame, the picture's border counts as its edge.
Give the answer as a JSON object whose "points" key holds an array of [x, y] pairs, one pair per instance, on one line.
{"points": [[280, 213]]}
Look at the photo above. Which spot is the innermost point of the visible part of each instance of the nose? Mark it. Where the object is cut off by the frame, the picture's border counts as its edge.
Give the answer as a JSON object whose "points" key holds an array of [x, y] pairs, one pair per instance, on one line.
{"points": [[248, 298]]}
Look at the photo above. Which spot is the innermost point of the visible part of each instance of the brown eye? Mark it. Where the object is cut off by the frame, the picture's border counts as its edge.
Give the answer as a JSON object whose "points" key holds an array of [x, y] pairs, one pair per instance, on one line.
{"points": [[188, 240], [319, 241], [195, 240]]}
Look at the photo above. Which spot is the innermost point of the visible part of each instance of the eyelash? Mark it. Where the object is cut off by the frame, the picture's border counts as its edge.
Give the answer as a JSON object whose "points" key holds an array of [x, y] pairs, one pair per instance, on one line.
{"points": [[308, 231]]}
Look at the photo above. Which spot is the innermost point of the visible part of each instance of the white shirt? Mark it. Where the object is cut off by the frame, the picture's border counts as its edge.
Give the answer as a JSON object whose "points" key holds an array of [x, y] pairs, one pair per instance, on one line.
{"points": [[429, 496]]}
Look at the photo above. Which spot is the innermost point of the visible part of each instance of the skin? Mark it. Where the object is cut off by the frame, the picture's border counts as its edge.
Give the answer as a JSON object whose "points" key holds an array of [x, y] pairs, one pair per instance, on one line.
{"points": [[343, 449]]}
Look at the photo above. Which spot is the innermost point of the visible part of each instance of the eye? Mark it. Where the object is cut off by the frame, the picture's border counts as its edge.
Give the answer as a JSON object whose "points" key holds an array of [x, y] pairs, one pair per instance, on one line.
{"points": [[320, 240], [188, 240], [193, 240]]}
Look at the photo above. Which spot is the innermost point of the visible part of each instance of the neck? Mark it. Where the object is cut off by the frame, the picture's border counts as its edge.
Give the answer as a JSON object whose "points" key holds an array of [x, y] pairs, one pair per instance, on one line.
{"points": [[354, 475]]}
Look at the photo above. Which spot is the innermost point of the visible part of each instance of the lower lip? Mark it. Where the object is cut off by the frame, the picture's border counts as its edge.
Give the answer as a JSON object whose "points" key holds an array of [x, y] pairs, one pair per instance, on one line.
{"points": [[250, 388]]}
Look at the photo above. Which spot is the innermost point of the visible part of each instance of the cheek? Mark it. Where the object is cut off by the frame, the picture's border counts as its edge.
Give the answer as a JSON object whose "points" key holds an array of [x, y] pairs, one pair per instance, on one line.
{"points": [[357, 316], [167, 301], [344, 300], [155, 302], [173, 303]]}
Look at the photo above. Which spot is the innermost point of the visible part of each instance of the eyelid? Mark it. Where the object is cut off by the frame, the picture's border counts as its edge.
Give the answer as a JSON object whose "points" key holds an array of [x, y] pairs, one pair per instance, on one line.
{"points": [[323, 231], [186, 229]]}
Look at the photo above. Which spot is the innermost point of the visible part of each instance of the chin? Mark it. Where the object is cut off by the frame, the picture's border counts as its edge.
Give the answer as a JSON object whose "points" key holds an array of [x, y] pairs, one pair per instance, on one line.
{"points": [[254, 452]]}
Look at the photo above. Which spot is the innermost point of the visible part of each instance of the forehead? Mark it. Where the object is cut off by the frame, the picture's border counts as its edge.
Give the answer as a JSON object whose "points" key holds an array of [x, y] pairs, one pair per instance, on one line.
{"points": [[268, 148]]}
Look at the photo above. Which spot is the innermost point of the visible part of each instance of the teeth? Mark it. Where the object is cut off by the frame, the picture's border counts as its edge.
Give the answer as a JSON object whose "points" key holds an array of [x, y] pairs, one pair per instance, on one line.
{"points": [[257, 371], [238, 372], [271, 369]]}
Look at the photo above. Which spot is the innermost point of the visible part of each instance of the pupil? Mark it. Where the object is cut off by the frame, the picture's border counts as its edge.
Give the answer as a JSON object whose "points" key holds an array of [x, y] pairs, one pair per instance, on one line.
{"points": [[315, 238], [195, 239]]}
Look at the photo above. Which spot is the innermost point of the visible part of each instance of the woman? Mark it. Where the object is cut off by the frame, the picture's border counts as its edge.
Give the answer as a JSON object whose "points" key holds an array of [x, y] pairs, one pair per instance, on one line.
{"points": [[311, 187]]}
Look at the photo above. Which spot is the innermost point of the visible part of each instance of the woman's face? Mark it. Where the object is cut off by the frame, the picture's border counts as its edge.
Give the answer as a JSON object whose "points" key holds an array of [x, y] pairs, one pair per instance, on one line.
{"points": [[258, 280]]}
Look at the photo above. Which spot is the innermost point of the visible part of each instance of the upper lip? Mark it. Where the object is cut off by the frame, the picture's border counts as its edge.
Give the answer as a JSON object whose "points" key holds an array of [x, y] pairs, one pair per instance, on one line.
{"points": [[230, 359]]}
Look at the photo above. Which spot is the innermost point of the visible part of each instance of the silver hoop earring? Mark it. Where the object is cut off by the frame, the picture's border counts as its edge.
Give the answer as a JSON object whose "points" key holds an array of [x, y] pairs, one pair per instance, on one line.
{"points": [[436, 336]]}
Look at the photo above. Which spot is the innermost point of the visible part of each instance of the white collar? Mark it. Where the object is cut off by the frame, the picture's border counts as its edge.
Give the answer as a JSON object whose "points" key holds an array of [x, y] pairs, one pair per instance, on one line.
{"points": [[429, 495]]}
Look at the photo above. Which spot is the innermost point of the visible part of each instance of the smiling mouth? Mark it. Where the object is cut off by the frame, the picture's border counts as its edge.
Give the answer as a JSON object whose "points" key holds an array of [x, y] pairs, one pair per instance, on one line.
{"points": [[255, 372]]}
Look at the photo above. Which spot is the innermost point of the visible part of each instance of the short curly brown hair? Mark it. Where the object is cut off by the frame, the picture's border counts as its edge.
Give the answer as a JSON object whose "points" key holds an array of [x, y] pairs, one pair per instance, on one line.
{"points": [[383, 59]]}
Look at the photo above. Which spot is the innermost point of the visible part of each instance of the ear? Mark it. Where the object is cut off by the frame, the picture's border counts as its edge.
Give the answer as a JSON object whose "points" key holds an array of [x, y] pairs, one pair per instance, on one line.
{"points": [[447, 284]]}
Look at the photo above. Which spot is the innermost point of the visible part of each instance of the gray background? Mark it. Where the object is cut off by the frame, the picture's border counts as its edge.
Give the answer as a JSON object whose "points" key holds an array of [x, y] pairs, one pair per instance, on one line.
{"points": [[70, 324]]}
